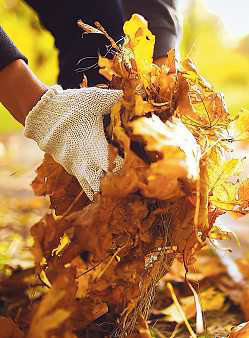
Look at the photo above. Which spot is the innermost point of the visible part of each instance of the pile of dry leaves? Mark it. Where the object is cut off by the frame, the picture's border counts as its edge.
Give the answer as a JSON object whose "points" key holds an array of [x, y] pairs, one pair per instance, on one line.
{"points": [[97, 264]]}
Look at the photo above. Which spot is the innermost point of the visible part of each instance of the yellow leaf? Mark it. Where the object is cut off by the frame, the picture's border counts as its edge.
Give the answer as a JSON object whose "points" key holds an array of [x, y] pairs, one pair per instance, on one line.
{"points": [[223, 205], [64, 241], [142, 107], [239, 128], [193, 75], [244, 191], [106, 68], [44, 278], [217, 233], [141, 41], [211, 300], [221, 186]]}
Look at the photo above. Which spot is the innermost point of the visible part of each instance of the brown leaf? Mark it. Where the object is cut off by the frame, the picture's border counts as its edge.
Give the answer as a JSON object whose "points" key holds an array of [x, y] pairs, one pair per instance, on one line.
{"points": [[9, 329], [54, 311], [52, 180]]}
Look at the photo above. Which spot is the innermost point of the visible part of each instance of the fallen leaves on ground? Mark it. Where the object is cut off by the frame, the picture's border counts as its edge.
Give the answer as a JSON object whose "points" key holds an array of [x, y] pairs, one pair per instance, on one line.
{"points": [[210, 299], [101, 262]]}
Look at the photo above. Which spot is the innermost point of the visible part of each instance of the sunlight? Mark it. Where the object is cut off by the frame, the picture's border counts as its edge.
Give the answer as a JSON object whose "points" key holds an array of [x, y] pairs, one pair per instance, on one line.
{"points": [[233, 14]]}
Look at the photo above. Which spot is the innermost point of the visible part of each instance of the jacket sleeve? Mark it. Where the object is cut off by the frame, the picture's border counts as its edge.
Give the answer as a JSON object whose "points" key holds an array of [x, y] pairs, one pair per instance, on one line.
{"points": [[163, 19], [8, 51]]}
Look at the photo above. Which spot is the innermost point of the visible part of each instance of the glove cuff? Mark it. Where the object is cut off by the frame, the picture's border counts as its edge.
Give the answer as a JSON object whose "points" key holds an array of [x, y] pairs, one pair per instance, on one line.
{"points": [[35, 122]]}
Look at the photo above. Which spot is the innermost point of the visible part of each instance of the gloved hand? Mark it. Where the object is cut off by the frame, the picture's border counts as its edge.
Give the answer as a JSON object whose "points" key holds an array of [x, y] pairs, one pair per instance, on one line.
{"points": [[68, 124]]}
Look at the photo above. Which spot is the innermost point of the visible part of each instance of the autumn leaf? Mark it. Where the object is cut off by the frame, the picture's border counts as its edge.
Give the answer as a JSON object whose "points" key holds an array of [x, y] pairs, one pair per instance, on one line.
{"points": [[210, 299], [52, 180], [193, 75], [9, 329], [180, 156], [106, 68], [222, 188], [141, 41], [55, 308], [239, 127], [244, 192]]}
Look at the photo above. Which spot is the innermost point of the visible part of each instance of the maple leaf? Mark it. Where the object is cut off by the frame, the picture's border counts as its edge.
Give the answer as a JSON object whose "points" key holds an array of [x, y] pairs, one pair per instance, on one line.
{"points": [[193, 75], [222, 188]]}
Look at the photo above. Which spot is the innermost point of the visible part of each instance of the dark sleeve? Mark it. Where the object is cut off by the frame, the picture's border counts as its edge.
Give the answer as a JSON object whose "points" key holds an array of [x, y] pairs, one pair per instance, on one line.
{"points": [[79, 55], [163, 21], [8, 51]]}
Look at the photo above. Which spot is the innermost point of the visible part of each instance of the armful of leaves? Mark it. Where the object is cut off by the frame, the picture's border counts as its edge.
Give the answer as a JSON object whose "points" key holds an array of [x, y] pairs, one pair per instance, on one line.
{"points": [[172, 130]]}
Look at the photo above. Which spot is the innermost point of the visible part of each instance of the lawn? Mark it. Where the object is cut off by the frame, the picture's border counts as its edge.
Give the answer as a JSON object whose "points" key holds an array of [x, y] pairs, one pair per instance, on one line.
{"points": [[8, 124]]}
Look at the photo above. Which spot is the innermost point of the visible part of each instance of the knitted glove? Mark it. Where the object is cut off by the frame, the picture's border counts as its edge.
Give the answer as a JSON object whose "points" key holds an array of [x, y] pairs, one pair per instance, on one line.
{"points": [[68, 124]]}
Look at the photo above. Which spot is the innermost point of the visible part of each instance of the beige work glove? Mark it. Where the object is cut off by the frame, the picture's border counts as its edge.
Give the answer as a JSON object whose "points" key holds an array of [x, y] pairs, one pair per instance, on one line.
{"points": [[68, 124]]}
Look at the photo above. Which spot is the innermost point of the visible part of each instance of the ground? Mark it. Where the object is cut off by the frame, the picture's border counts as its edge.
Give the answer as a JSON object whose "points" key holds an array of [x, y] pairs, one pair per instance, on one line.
{"points": [[19, 209]]}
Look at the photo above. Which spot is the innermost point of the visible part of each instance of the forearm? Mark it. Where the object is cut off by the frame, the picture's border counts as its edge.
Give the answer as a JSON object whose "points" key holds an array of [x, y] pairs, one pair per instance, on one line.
{"points": [[19, 89]]}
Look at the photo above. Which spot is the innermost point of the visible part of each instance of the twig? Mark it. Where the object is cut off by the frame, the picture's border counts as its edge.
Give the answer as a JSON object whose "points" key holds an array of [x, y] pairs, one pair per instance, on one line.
{"points": [[103, 31], [100, 274], [175, 330], [179, 308], [72, 204], [199, 316]]}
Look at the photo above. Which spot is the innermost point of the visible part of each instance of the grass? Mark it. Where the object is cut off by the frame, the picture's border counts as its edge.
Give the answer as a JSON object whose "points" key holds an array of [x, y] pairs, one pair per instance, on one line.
{"points": [[7, 123]]}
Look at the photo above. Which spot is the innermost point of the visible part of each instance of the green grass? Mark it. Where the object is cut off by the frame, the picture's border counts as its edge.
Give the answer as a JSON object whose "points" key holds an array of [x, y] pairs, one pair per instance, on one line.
{"points": [[7, 123]]}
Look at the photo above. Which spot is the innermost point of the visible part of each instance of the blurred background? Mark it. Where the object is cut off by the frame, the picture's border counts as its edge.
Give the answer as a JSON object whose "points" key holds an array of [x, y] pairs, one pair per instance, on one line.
{"points": [[215, 35], [22, 25]]}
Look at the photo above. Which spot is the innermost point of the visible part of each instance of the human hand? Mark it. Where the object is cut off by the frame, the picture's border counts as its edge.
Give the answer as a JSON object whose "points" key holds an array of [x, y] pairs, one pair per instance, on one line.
{"points": [[68, 124]]}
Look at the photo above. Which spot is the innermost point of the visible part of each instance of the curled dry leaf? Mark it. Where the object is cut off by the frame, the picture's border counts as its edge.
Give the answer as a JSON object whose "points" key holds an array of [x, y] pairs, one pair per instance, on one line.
{"points": [[179, 156], [52, 180]]}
